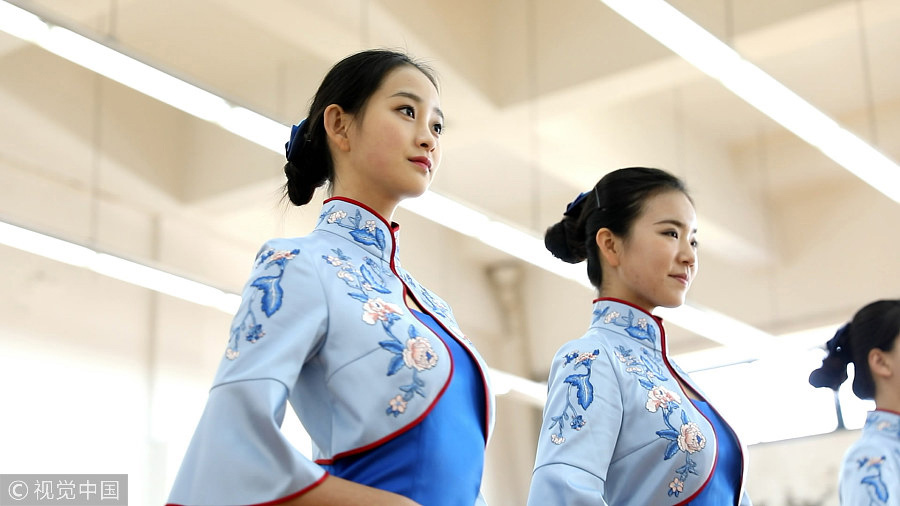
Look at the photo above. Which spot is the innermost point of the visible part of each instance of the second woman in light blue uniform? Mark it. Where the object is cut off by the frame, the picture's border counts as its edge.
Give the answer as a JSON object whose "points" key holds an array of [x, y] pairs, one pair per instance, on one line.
{"points": [[623, 425]]}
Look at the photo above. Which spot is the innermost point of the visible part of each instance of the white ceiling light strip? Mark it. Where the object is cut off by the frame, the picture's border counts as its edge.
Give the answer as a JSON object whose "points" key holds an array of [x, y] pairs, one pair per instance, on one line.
{"points": [[716, 59], [272, 135], [117, 268], [137, 75]]}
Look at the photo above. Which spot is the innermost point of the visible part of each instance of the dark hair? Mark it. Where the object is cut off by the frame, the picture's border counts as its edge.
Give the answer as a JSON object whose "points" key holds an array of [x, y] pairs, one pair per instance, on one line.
{"points": [[874, 326], [615, 203], [349, 84]]}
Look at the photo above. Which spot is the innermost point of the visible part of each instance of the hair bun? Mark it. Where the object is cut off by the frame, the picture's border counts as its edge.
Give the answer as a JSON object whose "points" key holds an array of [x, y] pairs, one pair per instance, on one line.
{"points": [[565, 241], [832, 373], [834, 366], [301, 184]]}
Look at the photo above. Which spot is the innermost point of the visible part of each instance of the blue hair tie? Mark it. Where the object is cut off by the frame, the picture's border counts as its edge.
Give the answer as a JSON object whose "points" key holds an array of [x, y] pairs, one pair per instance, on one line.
{"points": [[294, 146], [575, 204]]}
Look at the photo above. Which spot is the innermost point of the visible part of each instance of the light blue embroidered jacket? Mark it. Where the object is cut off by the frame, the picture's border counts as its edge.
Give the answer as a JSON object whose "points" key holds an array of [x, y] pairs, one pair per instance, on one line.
{"points": [[323, 324], [618, 428], [870, 474]]}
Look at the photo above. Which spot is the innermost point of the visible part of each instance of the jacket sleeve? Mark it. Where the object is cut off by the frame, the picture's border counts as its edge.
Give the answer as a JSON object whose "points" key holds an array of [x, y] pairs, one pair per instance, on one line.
{"points": [[238, 454], [581, 422], [870, 475]]}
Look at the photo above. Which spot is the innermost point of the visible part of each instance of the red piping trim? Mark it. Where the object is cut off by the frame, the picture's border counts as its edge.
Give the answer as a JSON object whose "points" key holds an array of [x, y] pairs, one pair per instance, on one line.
{"points": [[285, 498], [487, 402], [662, 332], [887, 411]]}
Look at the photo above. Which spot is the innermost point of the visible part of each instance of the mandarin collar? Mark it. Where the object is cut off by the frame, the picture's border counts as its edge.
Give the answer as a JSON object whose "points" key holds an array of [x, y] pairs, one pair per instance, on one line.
{"points": [[883, 422], [623, 317], [361, 225]]}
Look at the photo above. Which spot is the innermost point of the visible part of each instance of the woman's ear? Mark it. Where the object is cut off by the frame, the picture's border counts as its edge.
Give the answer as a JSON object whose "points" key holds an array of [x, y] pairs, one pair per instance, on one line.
{"points": [[879, 364], [609, 245], [337, 126]]}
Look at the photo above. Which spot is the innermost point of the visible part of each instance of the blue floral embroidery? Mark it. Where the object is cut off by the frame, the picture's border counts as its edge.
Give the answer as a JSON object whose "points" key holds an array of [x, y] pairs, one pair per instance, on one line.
{"points": [[584, 394], [368, 233], [416, 353], [877, 488], [636, 328], [270, 302], [435, 304], [686, 438]]}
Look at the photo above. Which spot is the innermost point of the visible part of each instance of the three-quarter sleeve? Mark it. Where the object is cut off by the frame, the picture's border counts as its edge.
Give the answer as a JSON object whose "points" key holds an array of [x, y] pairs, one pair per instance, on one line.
{"points": [[581, 423], [238, 454]]}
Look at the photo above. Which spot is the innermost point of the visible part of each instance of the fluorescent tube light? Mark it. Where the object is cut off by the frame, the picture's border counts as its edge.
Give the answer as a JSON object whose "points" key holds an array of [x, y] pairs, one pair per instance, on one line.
{"points": [[716, 59], [117, 268]]}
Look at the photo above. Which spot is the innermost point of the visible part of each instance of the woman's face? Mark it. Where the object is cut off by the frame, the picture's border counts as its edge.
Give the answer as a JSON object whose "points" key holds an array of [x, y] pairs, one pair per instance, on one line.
{"points": [[657, 261], [394, 143]]}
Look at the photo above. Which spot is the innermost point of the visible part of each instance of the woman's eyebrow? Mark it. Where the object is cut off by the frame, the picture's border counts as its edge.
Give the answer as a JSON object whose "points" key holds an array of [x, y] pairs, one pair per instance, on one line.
{"points": [[418, 100], [674, 222]]}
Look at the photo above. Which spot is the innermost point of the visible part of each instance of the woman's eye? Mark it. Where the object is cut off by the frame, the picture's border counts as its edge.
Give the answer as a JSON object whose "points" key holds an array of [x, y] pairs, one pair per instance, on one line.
{"points": [[671, 233], [695, 243], [408, 111], [438, 128]]}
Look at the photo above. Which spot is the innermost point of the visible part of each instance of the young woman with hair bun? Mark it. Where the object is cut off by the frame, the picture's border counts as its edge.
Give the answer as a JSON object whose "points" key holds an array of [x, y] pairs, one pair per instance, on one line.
{"points": [[623, 425], [394, 397], [870, 473]]}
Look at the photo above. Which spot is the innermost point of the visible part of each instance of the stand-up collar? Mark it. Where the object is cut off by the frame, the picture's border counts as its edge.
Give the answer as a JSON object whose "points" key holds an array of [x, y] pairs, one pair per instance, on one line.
{"points": [[361, 224], [885, 423], [623, 317]]}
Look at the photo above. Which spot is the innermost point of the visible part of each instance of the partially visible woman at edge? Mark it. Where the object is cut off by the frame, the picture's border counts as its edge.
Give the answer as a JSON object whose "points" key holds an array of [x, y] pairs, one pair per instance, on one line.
{"points": [[394, 397], [870, 473], [623, 425]]}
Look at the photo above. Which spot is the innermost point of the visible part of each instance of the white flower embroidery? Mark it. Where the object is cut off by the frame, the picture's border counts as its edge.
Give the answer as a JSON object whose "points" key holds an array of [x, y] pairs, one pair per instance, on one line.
{"points": [[370, 226], [642, 323], [336, 216], [378, 310], [585, 356], [676, 486], [398, 404], [419, 354], [347, 276], [556, 439], [660, 397], [690, 439], [612, 315], [335, 261], [231, 354]]}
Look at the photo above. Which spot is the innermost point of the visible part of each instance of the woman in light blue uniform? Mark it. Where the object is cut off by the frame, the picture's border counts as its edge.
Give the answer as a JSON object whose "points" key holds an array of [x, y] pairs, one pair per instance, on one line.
{"points": [[394, 397], [870, 473], [623, 425]]}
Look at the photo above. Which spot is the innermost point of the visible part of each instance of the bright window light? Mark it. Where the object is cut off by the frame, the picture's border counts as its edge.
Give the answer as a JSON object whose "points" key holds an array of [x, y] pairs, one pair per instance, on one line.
{"points": [[716, 59], [771, 400], [853, 409]]}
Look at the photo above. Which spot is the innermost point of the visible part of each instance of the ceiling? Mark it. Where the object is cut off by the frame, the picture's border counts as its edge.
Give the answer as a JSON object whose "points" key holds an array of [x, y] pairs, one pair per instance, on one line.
{"points": [[542, 98]]}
